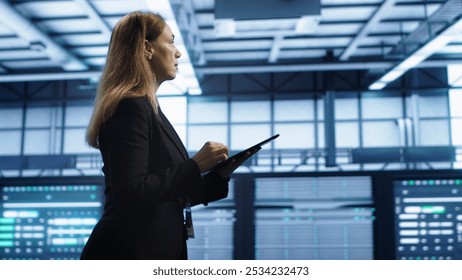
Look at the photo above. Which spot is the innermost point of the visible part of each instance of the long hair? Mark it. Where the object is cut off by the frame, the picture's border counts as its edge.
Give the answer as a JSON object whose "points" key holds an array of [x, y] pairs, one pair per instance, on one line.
{"points": [[127, 72]]}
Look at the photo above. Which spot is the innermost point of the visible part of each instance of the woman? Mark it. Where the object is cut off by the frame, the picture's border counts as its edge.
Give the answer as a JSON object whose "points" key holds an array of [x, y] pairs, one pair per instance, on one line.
{"points": [[149, 177]]}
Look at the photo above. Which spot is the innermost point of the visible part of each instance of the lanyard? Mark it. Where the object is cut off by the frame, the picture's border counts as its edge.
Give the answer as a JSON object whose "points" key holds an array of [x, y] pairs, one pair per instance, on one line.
{"points": [[188, 220]]}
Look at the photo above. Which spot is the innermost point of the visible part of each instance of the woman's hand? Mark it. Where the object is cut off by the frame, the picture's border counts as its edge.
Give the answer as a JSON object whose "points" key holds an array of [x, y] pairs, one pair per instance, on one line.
{"points": [[210, 154]]}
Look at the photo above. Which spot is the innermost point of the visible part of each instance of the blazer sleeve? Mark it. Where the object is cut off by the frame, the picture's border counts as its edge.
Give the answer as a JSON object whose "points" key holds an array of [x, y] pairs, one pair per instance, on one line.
{"points": [[127, 143], [215, 187]]}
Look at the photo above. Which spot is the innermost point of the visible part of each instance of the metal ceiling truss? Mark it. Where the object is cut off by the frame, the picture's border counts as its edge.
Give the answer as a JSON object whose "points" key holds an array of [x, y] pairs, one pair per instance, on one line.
{"points": [[384, 8], [26, 29], [444, 17], [186, 20]]}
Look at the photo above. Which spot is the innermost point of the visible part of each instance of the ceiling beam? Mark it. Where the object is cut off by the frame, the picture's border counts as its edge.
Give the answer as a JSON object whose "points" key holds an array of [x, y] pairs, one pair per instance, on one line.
{"points": [[441, 19], [216, 70], [374, 20], [24, 28], [58, 76], [186, 20], [95, 17], [275, 48], [322, 66]]}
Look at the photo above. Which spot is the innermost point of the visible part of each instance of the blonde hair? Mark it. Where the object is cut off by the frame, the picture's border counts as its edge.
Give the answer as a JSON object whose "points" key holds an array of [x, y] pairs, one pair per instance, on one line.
{"points": [[127, 72]]}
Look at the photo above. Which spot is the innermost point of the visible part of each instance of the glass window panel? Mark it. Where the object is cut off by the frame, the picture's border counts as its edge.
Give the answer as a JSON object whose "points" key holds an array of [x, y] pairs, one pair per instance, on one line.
{"points": [[434, 132], [38, 117], [408, 101], [198, 135], [174, 109], [250, 111], [74, 142], [455, 99], [293, 110], [455, 75], [433, 106], [37, 142], [346, 134], [78, 115], [208, 112], [10, 118], [320, 107], [321, 138], [456, 131], [244, 136], [57, 141], [346, 108], [380, 134], [294, 136], [10, 142], [381, 107]]}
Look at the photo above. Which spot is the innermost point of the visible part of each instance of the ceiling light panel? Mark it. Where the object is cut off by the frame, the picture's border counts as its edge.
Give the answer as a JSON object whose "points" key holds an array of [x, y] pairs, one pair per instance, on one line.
{"points": [[63, 26], [242, 45], [21, 55], [119, 7], [347, 14], [74, 40], [13, 43], [50, 9], [91, 51], [411, 11], [237, 56], [31, 64], [338, 29]]}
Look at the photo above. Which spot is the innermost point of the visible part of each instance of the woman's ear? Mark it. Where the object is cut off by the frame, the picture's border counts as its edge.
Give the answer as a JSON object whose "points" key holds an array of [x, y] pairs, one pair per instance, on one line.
{"points": [[148, 49]]}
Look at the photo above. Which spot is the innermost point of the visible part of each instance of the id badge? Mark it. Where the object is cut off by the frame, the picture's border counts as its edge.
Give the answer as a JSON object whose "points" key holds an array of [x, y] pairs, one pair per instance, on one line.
{"points": [[188, 221]]}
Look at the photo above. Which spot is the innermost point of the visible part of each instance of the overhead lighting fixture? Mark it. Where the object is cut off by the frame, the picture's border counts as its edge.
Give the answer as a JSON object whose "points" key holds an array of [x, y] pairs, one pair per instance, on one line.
{"points": [[186, 79], [377, 86], [431, 47], [307, 24], [392, 75], [225, 28]]}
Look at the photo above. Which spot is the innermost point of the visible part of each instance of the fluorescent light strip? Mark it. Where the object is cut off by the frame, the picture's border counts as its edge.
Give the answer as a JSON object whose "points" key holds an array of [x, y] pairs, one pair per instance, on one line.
{"points": [[440, 41]]}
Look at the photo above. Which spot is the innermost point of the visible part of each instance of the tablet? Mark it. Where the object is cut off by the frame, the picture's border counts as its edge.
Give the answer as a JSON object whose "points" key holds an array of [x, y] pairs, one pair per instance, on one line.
{"points": [[255, 148]]}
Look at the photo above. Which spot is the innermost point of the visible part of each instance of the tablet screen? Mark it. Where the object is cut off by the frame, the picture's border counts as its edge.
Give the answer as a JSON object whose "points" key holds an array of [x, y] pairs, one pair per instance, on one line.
{"points": [[250, 149]]}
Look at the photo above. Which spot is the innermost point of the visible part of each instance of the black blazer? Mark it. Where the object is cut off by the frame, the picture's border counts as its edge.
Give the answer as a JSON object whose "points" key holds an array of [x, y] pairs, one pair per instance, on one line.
{"points": [[148, 177]]}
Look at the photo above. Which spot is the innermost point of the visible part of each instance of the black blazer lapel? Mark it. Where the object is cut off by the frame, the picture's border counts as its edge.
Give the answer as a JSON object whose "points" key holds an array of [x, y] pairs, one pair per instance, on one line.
{"points": [[172, 135]]}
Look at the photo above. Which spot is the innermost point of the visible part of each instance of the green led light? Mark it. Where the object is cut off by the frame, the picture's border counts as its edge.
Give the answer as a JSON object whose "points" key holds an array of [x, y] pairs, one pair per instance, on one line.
{"points": [[6, 228], [431, 182], [411, 183], [69, 242], [6, 221], [458, 182], [433, 209], [6, 243], [6, 236]]}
